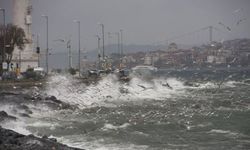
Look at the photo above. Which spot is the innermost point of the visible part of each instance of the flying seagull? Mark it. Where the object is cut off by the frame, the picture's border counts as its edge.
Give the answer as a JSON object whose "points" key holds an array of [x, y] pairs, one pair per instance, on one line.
{"points": [[227, 27], [241, 20], [237, 11]]}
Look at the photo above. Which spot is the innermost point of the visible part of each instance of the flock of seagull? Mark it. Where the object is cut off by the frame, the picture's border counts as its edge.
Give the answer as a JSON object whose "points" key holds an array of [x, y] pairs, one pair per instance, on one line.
{"points": [[238, 22]]}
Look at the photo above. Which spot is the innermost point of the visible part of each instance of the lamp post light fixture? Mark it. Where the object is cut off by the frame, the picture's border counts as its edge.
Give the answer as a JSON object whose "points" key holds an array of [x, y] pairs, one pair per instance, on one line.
{"points": [[47, 42], [79, 45]]}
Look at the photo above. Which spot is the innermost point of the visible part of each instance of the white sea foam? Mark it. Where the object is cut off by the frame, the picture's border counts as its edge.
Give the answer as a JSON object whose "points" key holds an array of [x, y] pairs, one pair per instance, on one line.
{"points": [[225, 84], [98, 144], [109, 90], [43, 124], [7, 108], [218, 131], [18, 126], [113, 127], [230, 84], [208, 85]]}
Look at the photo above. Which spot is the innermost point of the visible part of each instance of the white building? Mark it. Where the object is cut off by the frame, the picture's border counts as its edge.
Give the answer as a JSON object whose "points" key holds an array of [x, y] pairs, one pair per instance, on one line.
{"points": [[27, 58], [211, 59], [148, 60]]}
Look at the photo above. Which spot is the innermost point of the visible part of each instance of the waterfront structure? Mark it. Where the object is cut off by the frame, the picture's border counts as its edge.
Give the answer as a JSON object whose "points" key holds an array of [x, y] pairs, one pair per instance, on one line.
{"points": [[26, 58]]}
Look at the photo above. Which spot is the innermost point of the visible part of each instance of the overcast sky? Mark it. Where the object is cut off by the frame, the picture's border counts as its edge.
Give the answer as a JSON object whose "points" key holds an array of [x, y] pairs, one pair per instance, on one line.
{"points": [[143, 21]]}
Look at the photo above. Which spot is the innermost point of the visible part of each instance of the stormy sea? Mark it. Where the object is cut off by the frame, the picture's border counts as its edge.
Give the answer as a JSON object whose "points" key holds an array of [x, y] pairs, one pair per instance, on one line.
{"points": [[176, 109]]}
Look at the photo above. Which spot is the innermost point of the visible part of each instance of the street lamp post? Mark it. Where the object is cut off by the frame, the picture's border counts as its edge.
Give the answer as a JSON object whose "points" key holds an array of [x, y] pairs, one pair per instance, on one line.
{"points": [[47, 41], [99, 55], [109, 38], [79, 45], [70, 55], [119, 47], [98, 40], [103, 51], [118, 44], [4, 37], [38, 50], [121, 32]]}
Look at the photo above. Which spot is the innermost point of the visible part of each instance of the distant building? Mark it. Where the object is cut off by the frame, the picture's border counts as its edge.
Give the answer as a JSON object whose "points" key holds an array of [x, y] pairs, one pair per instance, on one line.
{"points": [[172, 47], [210, 59], [219, 56], [148, 60], [220, 60]]}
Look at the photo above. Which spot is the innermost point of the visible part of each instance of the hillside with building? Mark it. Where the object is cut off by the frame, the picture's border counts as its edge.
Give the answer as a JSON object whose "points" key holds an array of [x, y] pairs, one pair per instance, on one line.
{"points": [[226, 54]]}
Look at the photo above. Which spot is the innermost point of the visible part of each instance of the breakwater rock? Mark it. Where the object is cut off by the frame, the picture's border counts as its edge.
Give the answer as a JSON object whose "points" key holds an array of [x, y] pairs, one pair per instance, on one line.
{"points": [[10, 140]]}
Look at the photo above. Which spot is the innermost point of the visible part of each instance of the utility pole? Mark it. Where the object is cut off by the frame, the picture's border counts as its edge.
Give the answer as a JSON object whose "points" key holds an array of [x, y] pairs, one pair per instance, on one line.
{"points": [[210, 34], [38, 50], [118, 48], [47, 43], [121, 32], [99, 55], [109, 38], [4, 37], [79, 46], [103, 50], [118, 44], [20, 59], [70, 53]]}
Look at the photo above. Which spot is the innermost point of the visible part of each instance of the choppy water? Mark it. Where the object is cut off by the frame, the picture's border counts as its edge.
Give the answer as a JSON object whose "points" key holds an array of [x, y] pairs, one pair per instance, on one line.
{"points": [[209, 112]]}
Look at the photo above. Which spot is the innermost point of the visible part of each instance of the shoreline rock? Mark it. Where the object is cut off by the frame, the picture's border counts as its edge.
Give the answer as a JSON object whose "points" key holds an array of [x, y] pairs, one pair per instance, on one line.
{"points": [[5, 116], [11, 140], [14, 141]]}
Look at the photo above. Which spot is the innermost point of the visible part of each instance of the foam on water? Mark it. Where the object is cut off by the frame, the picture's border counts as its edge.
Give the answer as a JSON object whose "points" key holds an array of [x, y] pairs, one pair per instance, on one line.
{"points": [[18, 126], [110, 90], [113, 127], [43, 124], [228, 132], [8, 109], [98, 144], [214, 85], [208, 85]]}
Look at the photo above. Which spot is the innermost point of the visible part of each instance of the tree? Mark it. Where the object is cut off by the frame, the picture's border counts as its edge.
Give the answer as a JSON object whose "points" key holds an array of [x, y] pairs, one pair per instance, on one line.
{"points": [[14, 37]]}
